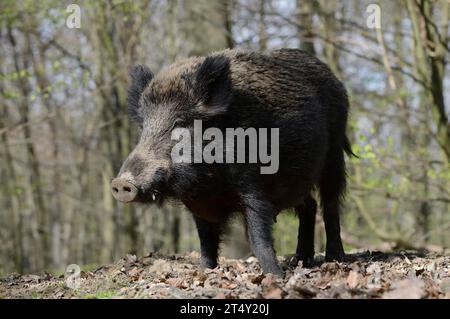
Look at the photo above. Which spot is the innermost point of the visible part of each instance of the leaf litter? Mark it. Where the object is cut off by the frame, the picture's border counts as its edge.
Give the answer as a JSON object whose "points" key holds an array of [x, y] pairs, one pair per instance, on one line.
{"points": [[404, 275]]}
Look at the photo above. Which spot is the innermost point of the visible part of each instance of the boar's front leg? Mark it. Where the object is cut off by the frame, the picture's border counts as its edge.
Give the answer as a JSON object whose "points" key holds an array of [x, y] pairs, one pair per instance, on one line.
{"points": [[259, 217], [209, 234]]}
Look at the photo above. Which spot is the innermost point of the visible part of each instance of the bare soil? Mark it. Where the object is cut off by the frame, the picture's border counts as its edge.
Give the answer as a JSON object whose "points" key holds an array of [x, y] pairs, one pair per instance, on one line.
{"points": [[363, 275]]}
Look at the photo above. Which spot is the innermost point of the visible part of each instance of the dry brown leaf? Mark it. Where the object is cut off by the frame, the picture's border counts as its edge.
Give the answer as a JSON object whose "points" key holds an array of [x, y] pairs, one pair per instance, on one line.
{"points": [[175, 282], [407, 260], [238, 266], [220, 295], [274, 293], [131, 258], [268, 280], [352, 279], [373, 268], [194, 254], [134, 272], [228, 285], [161, 266], [251, 260], [406, 289], [256, 279]]}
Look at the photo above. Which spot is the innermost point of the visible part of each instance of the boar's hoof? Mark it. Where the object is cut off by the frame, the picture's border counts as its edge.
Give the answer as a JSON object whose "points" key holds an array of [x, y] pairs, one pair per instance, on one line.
{"points": [[208, 263], [335, 256], [307, 261]]}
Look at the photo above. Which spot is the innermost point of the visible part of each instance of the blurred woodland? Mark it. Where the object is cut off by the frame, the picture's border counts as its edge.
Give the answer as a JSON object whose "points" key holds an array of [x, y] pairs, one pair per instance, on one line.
{"points": [[64, 129]]}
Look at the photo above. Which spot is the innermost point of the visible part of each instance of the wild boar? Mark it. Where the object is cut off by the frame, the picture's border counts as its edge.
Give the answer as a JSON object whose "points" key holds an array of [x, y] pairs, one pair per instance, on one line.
{"points": [[293, 95]]}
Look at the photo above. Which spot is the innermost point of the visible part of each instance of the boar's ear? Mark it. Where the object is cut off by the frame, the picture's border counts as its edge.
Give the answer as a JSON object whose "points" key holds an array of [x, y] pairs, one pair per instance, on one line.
{"points": [[140, 78], [213, 84]]}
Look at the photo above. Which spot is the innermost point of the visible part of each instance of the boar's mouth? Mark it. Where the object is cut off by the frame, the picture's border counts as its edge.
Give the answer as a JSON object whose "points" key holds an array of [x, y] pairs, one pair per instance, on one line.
{"points": [[151, 197]]}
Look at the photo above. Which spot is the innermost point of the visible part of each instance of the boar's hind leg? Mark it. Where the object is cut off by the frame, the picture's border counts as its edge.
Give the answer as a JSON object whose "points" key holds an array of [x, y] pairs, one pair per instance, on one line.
{"points": [[307, 217], [334, 249], [259, 219], [209, 234], [332, 186]]}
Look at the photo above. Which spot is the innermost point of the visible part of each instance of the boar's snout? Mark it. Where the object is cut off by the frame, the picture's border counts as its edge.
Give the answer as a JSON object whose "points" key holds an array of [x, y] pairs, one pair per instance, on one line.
{"points": [[123, 190]]}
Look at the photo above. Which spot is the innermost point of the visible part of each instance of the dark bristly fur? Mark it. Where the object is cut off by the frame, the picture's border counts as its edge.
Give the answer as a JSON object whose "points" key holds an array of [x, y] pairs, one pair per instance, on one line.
{"points": [[286, 89]]}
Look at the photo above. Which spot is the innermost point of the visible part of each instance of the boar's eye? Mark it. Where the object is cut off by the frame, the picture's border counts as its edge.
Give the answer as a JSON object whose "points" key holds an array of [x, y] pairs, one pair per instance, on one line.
{"points": [[140, 78], [178, 123]]}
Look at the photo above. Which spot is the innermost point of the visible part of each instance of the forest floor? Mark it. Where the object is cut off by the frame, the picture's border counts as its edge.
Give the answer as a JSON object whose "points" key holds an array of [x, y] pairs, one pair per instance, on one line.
{"points": [[363, 275]]}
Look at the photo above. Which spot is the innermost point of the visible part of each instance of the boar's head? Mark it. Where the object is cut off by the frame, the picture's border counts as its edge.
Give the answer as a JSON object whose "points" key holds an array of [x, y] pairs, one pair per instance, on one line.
{"points": [[194, 89]]}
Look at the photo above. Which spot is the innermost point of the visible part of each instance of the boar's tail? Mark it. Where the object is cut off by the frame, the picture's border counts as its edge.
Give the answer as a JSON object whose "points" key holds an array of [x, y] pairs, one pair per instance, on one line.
{"points": [[348, 147]]}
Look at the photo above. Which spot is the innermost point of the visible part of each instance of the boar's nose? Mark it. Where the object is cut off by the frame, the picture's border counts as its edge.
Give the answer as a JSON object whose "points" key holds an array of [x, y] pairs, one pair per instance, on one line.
{"points": [[123, 190]]}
